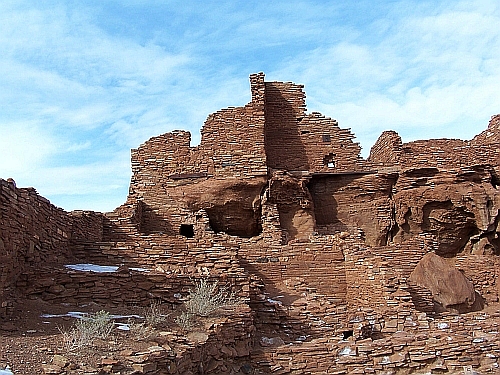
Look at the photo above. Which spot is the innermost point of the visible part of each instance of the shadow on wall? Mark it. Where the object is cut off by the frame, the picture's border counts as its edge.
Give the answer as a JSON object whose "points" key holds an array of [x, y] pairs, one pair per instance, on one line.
{"points": [[153, 222], [235, 219], [323, 191], [284, 147]]}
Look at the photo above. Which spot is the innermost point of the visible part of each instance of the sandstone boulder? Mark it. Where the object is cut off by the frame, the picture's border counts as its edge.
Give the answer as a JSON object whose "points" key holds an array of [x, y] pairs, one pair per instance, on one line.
{"points": [[449, 287]]}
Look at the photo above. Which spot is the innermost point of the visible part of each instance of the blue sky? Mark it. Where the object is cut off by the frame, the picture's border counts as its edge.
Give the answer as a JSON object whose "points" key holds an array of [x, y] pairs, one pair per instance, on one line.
{"points": [[83, 82]]}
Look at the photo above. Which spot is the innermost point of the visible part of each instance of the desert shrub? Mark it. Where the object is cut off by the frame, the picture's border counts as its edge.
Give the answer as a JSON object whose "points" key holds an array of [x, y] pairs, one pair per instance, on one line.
{"points": [[87, 329], [185, 321], [154, 314], [141, 331], [207, 297]]}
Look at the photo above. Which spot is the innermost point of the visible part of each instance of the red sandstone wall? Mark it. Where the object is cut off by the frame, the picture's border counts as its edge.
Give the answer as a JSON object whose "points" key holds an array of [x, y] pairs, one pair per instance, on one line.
{"points": [[86, 226], [486, 145], [307, 143], [328, 147], [355, 203], [439, 153], [169, 176], [285, 107], [162, 156], [234, 138], [232, 145], [32, 232], [387, 150]]}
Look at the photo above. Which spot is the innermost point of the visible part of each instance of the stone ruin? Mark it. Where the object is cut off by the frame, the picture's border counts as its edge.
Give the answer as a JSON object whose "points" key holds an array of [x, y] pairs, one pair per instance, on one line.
{"points": [[347, 265]]}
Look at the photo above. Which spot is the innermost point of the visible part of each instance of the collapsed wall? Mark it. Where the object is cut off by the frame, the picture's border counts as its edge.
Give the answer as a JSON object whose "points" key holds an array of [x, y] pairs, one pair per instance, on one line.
{"points": [[321, 243]]}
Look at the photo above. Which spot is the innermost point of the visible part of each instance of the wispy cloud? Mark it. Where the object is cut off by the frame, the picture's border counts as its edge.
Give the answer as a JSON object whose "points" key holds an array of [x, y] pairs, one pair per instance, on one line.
{"points": [[25, 147]]}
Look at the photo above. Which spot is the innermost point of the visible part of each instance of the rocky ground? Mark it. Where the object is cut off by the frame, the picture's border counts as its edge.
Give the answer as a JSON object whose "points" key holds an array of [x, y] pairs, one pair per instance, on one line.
{"points": [[33, 344]]}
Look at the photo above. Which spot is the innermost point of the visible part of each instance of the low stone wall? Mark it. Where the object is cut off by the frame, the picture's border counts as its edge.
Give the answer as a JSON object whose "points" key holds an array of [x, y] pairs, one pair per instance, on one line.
{"points": [[417, 343], [123, 287]]}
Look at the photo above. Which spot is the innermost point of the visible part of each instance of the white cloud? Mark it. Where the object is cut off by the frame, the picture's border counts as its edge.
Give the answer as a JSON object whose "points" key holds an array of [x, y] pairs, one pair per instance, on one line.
{"points": [[24, 147], [75, 147]]}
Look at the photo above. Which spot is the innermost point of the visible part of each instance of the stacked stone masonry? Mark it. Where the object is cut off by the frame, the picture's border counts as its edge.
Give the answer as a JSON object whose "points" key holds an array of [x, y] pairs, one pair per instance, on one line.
{"points": [[319, 243]]}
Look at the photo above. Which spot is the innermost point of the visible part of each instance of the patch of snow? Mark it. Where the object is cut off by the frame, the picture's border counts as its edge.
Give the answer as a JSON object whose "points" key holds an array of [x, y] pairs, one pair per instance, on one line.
{"points": [[82, 315], [443, 325], [138, 269], [271, 341], [347, 351], [125, 316], [76, 314], [89, 267], [385, 360], [274, 302], [72, 314], [122, 326]]}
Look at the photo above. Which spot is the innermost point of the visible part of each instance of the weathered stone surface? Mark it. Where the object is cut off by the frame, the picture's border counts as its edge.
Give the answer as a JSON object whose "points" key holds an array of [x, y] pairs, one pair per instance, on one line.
{"points": [[453, 208], [448, 285]]}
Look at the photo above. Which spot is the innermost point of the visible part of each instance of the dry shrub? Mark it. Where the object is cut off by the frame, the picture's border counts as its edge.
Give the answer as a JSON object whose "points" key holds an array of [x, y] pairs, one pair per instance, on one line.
{"points": [[204, 300], [155, 314], [185, 321], [141, 331], [87, 329], [208, 297]]}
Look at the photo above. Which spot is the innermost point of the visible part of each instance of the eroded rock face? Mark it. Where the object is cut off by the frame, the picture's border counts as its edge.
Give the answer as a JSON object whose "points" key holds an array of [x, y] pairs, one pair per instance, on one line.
{"points": [[453, 208], [233, 207], [353, 203], [449, 287]]}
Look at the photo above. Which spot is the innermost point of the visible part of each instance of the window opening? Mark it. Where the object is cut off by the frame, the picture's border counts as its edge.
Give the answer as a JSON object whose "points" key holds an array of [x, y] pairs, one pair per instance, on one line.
{"points": [[327, 138], [347, 334], [329, 161], [187, 230]]}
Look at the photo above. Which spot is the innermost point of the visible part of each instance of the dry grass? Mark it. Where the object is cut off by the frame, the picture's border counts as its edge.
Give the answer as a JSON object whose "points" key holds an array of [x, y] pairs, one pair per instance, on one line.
{"points": [[208, 297], [185, 321], [155, 314], [204, 300], [86, 330]]}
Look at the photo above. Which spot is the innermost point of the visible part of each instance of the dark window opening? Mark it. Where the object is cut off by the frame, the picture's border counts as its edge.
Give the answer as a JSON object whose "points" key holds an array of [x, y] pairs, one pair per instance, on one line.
{"points": [[327, 138], [329, 161], [234, 220], [187, 230], [347, 334], [305, 132]]}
